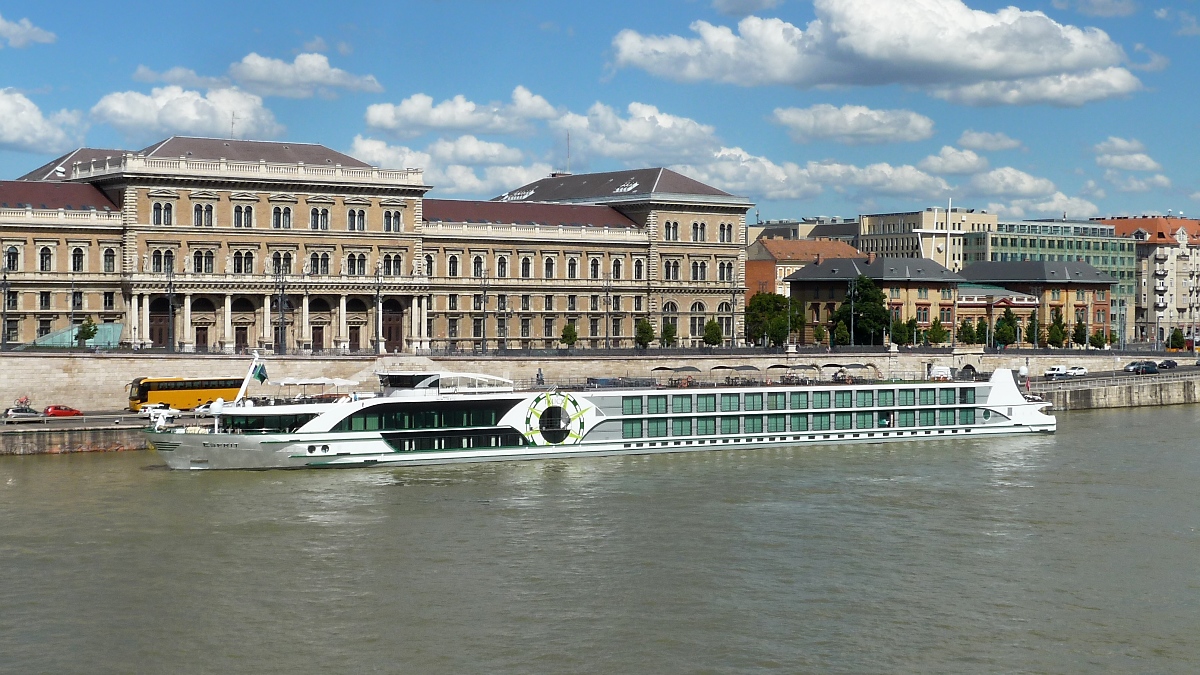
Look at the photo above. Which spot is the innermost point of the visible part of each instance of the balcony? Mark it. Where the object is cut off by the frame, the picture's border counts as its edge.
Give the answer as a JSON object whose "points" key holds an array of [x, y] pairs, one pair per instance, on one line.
{"points": [[1160, 287], [1160, 303], [1160, 255], [1160, 271]]}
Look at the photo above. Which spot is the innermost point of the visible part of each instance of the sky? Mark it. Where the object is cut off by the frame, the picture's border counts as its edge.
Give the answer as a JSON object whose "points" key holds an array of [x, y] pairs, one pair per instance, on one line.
{"points": [[809, 108]]}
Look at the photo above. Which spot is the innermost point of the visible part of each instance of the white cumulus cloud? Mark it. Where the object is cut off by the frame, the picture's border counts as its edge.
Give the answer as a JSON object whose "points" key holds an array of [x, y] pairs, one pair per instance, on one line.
{"points": [[174, 110], [305, 76], [451, 168], [1126, 154], [1026, 56], [1007, 181], [647, 135], [853, 124], [24, 128], [1122, 183], [470, 150], [418, 114], [22, 33], [984, 140], [1053, 205], [954, 161]]}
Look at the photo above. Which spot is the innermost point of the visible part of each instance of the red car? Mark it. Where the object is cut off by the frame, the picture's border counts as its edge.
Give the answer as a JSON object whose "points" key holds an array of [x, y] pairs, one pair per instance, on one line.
{"points": [[60, 411]]}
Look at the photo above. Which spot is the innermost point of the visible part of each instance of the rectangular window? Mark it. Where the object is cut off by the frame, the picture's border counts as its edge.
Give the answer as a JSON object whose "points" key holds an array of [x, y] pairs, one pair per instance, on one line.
{"points": [[777, 423], [730, 402], [946, 417], [966, 395], [866, 399], [452, 303], [908, 397], [967, 416], [572, 304], [928, 418], [820, 399], [908, 418], [799, 400], [841, 420], [820, 422], [656, 427], [776, 401], [631, 405], [706, 403], [524, 303], [843, 399], [753, 424], [865, 420], [799, 422], [44, 300], [681, 426], [928, 397], [43, 327], [681, 404], [11, 300], [706, 426], [548, 302], [887, 397], [946, 396], [754, 401], [729, 425], [548, 328], [631, 428], [656, 405]]}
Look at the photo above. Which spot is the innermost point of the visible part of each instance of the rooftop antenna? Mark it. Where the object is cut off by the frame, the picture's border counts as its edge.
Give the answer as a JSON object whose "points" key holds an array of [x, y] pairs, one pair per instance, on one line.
{"points": [[568, 152], [232, 121]]}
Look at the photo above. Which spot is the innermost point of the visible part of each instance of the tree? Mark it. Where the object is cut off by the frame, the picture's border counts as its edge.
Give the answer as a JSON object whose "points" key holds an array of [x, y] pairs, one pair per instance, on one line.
{"points": [[914, 331], [981, 331], [1098, 339], [667, 339], [870, 312], [1033, 332], [937, 333], [569, 335], [902, 334], [1079, 336], [966, 332], [841, 334], [819, 334], [1005, 332], [712, 333], [1177, 339], [643, 333], [85, 331], [1058, 331], [763, 308], [777, 330]]}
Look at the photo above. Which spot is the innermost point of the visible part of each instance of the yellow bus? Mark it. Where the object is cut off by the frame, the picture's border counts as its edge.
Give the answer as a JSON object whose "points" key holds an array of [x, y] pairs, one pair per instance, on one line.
{"points": [[181, 393]]}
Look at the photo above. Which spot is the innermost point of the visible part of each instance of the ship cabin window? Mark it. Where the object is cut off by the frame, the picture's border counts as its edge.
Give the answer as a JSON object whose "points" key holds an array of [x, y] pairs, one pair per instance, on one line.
{"points": [[799, 400], [656, 428], [264, 423], [403, 416], [928, 418], [866, 399], [730, 425], [946, 396], [706, 403], [967, 416], [776, 401], [631, 405], [887, 397], [928, 397], [752, 424], [843, 399], [799, 422], [681, 426], [681, 404], [776, 423], [754, 401], [631, 428], [841, 420], [908, 397], [966, 395], [865, 420], [730, 402], [656, 405], [946, 417], [820, 399], [706, 426], [820, 422]]}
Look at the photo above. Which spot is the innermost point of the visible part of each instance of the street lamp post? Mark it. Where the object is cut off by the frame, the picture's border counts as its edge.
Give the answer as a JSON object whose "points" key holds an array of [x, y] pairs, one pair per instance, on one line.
{"points": [[853, 286], [607, 305], [483, 286], [378, 305], [170, 306], [281, 329], [4, 312]]}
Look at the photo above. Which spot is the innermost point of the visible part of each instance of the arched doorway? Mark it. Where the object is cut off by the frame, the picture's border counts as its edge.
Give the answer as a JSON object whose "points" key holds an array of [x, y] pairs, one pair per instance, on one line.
{"points": [[160, 322], [356, 311], [393, 325], [204, 314], [319, 317], [244, 313]]}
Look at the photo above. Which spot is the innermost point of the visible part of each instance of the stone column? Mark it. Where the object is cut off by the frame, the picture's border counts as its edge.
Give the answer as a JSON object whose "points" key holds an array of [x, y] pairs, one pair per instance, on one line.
{"points": [[145, 336], [379, 344], [132, 311], [410, 344], [230, 341], [343, 339], [305, 328], [189, 338], [423, 323], [266, 331]]}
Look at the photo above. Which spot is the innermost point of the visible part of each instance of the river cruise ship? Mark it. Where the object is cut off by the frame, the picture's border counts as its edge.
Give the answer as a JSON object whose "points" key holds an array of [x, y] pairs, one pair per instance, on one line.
{"points": [[441, 417]]}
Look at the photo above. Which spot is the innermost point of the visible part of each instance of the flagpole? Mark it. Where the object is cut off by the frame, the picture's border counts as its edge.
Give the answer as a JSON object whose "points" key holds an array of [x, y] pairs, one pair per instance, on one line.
{"points": [[246, 380]]}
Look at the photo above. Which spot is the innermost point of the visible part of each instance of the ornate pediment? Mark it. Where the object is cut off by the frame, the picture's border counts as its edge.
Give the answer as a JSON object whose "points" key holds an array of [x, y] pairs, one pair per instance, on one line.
{"points": [[283, 197], [394, 203], [163, 194], [356, 201], [205, 194], [243, 197]]}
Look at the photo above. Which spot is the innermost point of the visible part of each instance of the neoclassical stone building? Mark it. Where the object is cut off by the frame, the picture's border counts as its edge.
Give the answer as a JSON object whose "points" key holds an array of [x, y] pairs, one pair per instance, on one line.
{"points": [[209, 244]]}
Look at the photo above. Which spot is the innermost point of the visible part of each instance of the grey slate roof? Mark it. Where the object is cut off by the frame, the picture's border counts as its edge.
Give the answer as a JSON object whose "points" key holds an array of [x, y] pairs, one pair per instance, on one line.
{"points": [[554, 215], [19, 194], [628, 185], [1032, 271], [46, 172], [882, 269], [250, 151]]}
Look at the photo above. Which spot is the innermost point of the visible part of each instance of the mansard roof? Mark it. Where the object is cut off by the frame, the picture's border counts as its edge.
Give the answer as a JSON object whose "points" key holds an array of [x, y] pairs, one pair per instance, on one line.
{"points": [[807, 250], [635, 185], [50, 172], [877, 268], [272, 152], [1035, 272], [552, 215], [20, 194]]}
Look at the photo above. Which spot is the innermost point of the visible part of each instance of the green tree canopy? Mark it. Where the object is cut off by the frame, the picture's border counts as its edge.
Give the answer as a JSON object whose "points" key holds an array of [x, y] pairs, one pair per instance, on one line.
{"points": [[1098, 339], [841, 334], [765, 307], [981, 331], [667, 338], [569, 335], [819, 334], [712, 333], [937, 333], [85, 331], [1033, 332], [1079, 336], [966, 332], [643, 333], [870, 312]]}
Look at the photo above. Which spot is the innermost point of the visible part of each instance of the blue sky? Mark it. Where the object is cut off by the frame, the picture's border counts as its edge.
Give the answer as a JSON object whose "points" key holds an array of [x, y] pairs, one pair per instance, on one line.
{"points": [[808, 107]]}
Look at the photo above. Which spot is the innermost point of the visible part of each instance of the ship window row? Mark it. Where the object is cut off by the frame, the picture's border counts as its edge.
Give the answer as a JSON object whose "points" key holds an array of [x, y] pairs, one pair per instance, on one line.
{"points": [[403, 416], [264, 423], [797, 400], [782, 422], [459, 441]]}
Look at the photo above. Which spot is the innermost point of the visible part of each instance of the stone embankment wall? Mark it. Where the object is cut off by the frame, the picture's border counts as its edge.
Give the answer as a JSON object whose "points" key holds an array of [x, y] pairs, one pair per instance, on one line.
{"points": [[1141, 392], [28, 441]]}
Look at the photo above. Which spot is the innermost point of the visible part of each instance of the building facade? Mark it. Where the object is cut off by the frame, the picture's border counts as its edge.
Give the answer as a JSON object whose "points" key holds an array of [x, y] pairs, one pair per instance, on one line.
{"points": [[771, 260], [936, 234]]}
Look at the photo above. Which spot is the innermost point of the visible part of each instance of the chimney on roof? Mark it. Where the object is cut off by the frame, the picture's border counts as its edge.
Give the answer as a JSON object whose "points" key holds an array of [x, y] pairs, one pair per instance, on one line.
{"points": [[871, 258], [818, 260]]}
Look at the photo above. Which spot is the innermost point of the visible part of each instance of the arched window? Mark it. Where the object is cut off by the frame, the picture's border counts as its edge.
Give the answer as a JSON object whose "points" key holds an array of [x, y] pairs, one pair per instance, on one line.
{"points": [[287, 263], [452, 266], [208, 262], [156, 261], [237, 216], [314, 263], [595, 268], [696, 321], [639, 269], [276, 262], [77, 260], [387, 221], [10, 259], [44, 259], [428, 265], [158, 214], [168, 261], [387, 265], [324, 263], [314, 219], [477, 267], [670, 310], [110, 260], [356, 220], [351, 264], [208, 215], [248, 261], [362, 264], [237, 263], [287, 217], [616, 269], [197, 215], [324, 221], [168, 210], [276, 218], [502, 267], [198, 262], [549, 268], [526, 268], [573, 268], [392, 221]]}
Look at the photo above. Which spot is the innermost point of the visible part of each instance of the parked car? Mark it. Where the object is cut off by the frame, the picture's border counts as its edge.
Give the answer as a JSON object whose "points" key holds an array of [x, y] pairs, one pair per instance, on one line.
{"points": [[21, 412], [155, 409], [1167, 364], [60, 411], [1055, 371], [1133, 366], [1076, 371], [1146, 368]]}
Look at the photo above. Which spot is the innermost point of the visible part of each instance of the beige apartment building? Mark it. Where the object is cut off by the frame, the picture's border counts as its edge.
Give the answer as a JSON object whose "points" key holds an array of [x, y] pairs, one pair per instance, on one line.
{"points": [[223, 245], [935, 233]]}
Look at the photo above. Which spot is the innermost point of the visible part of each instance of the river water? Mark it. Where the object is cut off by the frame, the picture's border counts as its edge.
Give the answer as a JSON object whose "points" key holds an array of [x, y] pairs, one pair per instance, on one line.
{"points": [[1070, 553]]}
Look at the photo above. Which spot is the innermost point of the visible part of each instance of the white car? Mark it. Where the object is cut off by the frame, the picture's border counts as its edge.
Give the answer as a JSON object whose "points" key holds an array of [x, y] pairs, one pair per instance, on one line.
{"points": [[156, 409], [1056, 371], [1076, 371]]}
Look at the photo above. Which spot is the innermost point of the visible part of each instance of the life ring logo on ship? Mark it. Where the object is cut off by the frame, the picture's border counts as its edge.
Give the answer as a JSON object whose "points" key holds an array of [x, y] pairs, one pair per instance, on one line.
{"points": [[554, 418]]}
